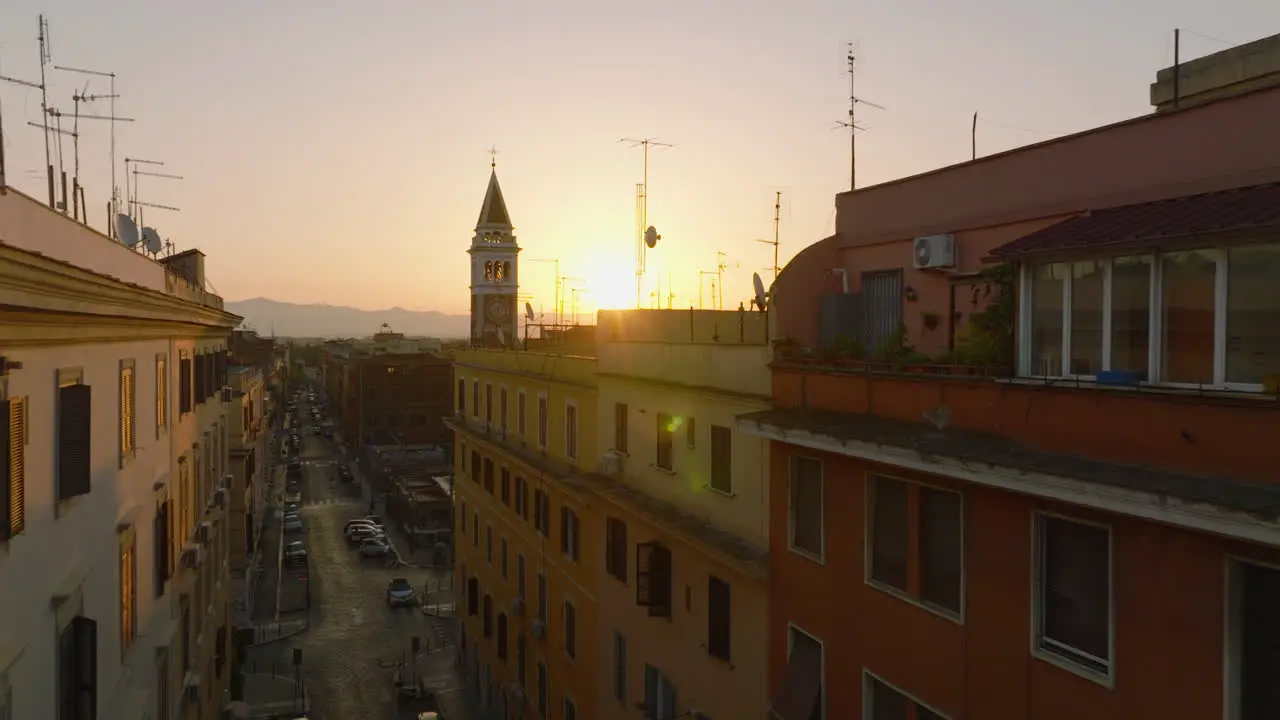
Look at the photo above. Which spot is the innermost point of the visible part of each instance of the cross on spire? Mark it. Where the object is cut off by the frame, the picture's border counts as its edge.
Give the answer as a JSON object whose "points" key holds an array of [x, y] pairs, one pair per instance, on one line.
{"points": [[493, 156]]}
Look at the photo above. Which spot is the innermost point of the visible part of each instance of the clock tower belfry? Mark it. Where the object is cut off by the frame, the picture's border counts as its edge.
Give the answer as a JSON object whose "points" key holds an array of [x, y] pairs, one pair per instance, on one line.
{"points": [[494, 272]]}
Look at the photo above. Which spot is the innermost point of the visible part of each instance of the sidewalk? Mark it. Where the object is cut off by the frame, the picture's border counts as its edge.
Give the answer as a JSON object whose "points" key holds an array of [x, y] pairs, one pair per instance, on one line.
{"points": [[269, 696], [269, 632], [265, 595]]}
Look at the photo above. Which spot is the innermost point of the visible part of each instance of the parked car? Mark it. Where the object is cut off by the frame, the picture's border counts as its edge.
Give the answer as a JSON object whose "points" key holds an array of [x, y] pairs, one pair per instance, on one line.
{"points": [[295, 555], [293, 525], [362, 521], [359, 535], [374, 547], [400, 592]]}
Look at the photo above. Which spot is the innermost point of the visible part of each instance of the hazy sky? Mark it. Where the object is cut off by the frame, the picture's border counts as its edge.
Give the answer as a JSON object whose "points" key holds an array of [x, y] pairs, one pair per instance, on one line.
{"points": [[336, 151]]}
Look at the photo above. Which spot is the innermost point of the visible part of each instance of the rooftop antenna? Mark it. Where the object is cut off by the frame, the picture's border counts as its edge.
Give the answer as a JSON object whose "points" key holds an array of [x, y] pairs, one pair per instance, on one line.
{"points": [[721, 266], [78, 98], [24, 83], [112, 96], [646, 236], [131, 192], [58, 134], [777, 219], [852, 123], [702, 274], [45, 58]]}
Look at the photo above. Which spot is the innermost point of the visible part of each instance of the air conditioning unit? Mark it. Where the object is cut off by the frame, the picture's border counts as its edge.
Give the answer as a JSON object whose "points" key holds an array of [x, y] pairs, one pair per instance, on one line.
{"points": [[220, 499], [934, 251], [539, 629], [611, 463], [202, 533], [517, 606], [191, 558]]}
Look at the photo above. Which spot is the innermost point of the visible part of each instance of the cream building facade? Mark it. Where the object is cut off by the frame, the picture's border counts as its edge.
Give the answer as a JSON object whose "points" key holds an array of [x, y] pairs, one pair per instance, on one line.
{"points": [[95, 445]]}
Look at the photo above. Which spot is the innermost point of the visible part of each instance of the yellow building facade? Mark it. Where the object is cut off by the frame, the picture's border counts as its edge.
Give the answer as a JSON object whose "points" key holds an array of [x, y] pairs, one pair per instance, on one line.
{"points": [[683, 595], [528, 547]]}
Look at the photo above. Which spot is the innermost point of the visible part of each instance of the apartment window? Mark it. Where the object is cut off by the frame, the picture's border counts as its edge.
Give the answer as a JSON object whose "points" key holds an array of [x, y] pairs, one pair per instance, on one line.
{"points": [[1073, 592], [520, 498], [659, 695], [488, 543], [462, 517], [620, 427], [520, 413], [13, 484], [571, 431], [1211, 322], [801, 693], [885, 702], [6, 698], [666, 431], [462, 396], [201, 379], [162, 684], [721, 459], [502, 558], [542, 513], [619, 667], [691, 432], [542, 596], [653, 578], [520, 575], [502, 636], [615, 549], [522, 659], [488, 403], [542, 421], [475, 466], [473, 596], [475, 528], [475, 398], [804, 511], [1253, 636], [78, 669], [488, 616], [569, 532], [128, 589], [570, 630], [162, 394], [488, 475], [502, 410], [74, 413], [570, 710], [184, 383], [543, 691], [128, 422], [718, 618], [505, 476], [162, 535], [936, 564]]}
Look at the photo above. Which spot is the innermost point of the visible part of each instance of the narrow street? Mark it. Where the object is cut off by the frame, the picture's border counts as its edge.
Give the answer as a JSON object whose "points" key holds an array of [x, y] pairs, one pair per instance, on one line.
{"points": [[355, 638]]}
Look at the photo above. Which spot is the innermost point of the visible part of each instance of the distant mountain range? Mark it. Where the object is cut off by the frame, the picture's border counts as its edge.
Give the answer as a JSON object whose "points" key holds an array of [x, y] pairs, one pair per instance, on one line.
{"points": [[332, 321]]}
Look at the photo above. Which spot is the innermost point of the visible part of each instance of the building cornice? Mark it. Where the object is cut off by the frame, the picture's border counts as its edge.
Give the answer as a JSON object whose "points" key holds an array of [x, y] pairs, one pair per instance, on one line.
{"points": [[53, 293]]}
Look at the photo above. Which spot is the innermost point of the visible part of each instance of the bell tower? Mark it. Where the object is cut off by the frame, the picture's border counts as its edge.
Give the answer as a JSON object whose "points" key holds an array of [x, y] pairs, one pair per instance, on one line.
{"points": [[495, 321]]}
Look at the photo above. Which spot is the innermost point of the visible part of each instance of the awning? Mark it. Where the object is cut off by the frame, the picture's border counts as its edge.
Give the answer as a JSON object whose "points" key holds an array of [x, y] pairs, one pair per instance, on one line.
{"points": [[1241, 210], [801, 684]]}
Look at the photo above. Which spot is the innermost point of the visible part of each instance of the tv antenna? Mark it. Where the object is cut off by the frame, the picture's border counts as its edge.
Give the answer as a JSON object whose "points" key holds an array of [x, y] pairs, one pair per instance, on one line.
{"points": [[777, 218], [131, 191], [23, 83], [646, 235], [721, 266], [77, 191], [111, 114], [58, 133], [852, 123]]}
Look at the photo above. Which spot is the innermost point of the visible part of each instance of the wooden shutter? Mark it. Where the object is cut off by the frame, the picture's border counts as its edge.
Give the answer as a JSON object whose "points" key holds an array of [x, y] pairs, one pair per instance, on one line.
{"points": [[75, 404], [13, 474], [564, 529], [85, 656], [184, 385], [660, 582], [644, 569]]}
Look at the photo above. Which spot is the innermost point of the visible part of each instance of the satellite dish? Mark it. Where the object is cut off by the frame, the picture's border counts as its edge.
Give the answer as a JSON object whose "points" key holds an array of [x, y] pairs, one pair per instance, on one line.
{"points": [[761, 298], [651, 236], [126, 230], [528, 312], [151, 240]]}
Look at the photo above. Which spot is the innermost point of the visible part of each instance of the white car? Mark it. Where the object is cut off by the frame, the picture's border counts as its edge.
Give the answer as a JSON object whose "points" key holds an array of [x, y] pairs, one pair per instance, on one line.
{"points": [[374, 547], [293, 525]]}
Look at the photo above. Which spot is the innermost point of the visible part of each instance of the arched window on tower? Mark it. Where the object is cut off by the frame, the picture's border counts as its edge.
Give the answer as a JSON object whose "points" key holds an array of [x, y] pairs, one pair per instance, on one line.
{"points": [[506, 270], [499, 271], [488, 269]]}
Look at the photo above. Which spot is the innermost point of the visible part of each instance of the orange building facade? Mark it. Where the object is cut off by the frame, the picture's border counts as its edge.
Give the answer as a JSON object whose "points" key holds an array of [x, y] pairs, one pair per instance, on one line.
{"points": [[1079, 518]]}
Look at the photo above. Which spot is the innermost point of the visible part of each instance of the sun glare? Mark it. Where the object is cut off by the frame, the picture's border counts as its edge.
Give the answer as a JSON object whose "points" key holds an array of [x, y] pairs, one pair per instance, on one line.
{"points": [[611, 284]]}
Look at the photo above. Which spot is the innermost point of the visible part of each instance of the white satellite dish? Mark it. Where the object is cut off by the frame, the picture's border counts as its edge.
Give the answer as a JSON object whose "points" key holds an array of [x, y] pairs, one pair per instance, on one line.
{"points": [[761, 298], [126, 230], [528, 312], [151, 240], [651, 236]]}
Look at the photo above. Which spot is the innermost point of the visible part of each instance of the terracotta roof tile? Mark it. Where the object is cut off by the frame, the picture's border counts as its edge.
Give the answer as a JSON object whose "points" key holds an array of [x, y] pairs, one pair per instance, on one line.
{"points": [[1241, 209]]}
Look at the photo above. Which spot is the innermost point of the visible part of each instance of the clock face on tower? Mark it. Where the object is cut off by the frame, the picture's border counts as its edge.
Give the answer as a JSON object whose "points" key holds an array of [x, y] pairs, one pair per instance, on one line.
{"points": [[497, 308]]}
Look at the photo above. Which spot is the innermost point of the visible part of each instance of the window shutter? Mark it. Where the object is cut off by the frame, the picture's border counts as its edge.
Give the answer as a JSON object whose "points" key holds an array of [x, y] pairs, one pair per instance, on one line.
{"points": [[74, 411], [564, 529], [644, 566], [184, 385], [573, 546], [650, 691], [85, 635], [13, 474], [660, 582]]}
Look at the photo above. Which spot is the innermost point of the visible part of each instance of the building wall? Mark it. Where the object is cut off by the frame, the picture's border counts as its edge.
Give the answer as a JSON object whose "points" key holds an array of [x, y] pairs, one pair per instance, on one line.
{"points": [[1163, 578], [67, 561]]}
